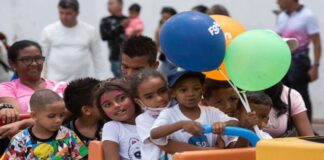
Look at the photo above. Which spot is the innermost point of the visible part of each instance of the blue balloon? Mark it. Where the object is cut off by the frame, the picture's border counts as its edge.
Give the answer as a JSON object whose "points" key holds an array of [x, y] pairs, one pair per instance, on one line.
{"points": [[193, 41]]}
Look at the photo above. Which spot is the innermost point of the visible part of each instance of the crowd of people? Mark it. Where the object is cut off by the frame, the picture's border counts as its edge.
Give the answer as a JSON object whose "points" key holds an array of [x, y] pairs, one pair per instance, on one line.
{"points": [[150, 108]]}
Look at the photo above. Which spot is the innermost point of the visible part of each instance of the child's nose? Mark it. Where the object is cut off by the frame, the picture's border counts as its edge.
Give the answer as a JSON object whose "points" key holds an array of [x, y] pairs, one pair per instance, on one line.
{"points": [[116, 105]]}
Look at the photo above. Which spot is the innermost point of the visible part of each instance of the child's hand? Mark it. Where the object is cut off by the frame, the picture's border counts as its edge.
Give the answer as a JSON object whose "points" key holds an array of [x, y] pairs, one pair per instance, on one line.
{"points": [[219, 127], [192, 127], [249, 120]]}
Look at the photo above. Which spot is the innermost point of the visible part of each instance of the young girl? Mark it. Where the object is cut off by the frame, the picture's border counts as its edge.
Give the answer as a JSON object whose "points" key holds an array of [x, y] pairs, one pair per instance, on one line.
{"points": [[183, 122], [119, 136], [151, 93]]}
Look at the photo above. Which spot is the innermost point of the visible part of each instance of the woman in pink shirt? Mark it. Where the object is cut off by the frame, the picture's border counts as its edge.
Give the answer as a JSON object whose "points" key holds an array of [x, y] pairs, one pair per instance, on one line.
{"points": [[26, 58], [278, 118]]}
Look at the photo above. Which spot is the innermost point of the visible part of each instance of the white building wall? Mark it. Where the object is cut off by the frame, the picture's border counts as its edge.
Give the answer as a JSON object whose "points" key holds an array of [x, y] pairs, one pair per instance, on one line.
{"points": [[25, 19]]}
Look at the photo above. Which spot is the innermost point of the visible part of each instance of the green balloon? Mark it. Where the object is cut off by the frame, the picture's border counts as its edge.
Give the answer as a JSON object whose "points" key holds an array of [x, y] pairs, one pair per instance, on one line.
{"points": [[257, 59]]}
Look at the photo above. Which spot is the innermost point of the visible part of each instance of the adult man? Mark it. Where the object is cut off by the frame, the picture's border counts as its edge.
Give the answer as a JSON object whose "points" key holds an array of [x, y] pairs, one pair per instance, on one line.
{"points": [[138, 52], [297, 21], [112, 29], [71, 47]]}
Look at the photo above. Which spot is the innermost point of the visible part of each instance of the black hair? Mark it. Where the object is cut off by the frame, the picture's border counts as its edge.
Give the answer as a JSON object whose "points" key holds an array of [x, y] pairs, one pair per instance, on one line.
{"points": [[259, 97], [218, 9], [4, 40], [274, 93], [136, 46], [190, 75], [120, 2], [19, 45], [112, 85], [69, 4], [200, 8], [143, 75], [79, 93], [135, 7], [212, 85], [169, 10], [42, 98]]}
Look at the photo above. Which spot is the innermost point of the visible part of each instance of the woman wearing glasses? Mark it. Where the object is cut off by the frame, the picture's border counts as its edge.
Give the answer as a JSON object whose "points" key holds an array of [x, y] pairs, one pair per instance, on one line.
{"points": [[26, 58]]}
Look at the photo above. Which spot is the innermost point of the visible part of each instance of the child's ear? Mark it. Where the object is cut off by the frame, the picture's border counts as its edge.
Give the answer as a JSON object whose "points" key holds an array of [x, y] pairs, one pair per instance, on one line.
{"points": [[85, 110], [33, 114]]}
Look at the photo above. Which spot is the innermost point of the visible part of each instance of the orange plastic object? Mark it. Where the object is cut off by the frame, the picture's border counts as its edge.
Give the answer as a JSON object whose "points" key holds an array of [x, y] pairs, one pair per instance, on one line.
{"points": [[20, 117], [223, 154], [96, 151]]}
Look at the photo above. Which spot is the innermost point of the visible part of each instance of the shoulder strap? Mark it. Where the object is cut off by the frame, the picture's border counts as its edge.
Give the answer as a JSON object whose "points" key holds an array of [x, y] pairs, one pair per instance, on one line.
{"points": [[289, 124]]}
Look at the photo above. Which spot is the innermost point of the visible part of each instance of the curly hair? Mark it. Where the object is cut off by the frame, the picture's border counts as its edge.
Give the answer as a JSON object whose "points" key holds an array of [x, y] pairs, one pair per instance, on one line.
{"points": [[136, 46]]}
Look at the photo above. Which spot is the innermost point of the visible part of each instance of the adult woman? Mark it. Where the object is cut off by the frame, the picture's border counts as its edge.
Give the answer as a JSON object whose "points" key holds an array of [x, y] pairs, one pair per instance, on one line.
{"points": [[278, 118], [25, 57]]}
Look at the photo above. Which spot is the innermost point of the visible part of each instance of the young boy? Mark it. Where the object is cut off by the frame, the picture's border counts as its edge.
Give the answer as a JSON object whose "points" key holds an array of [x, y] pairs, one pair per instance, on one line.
{"points": [[46, 139], [135, 25], [260, 104], [78, 98], [221, 95], [183, 122]]}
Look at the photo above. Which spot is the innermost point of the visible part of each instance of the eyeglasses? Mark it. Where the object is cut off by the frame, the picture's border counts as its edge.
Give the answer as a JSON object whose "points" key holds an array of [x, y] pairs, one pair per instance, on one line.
{"points": [[30, 60]]}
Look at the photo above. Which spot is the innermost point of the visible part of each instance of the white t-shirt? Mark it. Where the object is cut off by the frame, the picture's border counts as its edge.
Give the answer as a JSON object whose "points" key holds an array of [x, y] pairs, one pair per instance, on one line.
{"points": [[149, 151], [127, 138], [72, 53], [299, 24], [208, 115]]}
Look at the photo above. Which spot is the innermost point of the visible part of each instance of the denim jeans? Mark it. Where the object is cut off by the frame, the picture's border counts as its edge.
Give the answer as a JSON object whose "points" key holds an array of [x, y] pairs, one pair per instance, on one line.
{"points": [[115, 66]]}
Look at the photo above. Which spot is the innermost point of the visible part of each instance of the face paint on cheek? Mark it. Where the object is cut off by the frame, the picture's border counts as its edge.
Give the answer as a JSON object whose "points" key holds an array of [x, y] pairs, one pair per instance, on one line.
{"points": [[128, 104], [109, 113]]}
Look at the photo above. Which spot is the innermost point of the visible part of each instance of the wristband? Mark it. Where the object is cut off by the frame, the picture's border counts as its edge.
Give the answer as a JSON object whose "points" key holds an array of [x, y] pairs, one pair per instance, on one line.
{"points": [[5, 105], [316, 65]]}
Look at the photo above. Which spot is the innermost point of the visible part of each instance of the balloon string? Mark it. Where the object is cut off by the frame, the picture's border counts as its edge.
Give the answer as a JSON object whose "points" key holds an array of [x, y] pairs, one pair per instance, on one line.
{"points": [[244, 101], [236, 90]]}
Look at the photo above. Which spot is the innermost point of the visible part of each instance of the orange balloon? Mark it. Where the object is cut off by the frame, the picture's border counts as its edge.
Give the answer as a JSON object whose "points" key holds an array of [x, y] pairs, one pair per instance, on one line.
{"points": [[231, 29]]}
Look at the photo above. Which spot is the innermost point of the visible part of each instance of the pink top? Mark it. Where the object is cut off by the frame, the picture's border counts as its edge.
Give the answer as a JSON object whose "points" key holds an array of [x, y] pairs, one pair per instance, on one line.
{"points": [[278, 125], [135, 24], [22, 93]]}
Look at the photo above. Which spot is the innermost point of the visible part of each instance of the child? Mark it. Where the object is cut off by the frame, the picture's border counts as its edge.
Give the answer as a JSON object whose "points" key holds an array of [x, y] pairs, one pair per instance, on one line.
{"points": [[135, 25], [188, 115], [119, 136], [78, 98], [260, 104], [151, 93], [221, 95], [46, 139]]}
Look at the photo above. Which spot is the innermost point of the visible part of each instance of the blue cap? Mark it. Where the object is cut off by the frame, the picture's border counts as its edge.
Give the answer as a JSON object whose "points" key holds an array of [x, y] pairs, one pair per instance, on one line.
{"points": [[175, 74]]}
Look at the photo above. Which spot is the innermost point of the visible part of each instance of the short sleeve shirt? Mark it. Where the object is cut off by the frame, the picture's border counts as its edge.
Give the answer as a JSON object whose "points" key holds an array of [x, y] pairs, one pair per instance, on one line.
{"points": [[64, 144]]}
